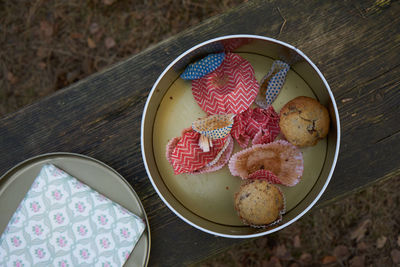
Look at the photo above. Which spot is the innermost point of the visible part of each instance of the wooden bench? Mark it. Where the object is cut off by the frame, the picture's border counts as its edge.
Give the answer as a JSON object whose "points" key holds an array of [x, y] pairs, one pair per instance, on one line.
{"points": [[356, 45]]}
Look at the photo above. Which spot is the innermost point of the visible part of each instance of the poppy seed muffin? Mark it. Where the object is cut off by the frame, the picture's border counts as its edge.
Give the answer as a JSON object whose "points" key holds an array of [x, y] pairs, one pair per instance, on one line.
{"points": [[259, 203], [303, 121]]}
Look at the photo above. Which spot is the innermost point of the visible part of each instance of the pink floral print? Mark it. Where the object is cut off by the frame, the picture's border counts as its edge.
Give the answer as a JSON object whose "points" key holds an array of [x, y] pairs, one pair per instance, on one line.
{"points": [[35, 206], [37, 230], [82, 230], [18, 263], [59, 218], [61, 241], [80, 207], [40, 253], [63, 263], [124, 232], [84, 253], [104, 243], [15, 241], [102, 219], [57, 195]]}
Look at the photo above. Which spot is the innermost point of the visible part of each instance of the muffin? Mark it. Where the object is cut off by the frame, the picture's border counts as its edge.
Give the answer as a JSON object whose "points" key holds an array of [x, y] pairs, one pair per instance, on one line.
{"points": [[259, 203], [303, 121]]}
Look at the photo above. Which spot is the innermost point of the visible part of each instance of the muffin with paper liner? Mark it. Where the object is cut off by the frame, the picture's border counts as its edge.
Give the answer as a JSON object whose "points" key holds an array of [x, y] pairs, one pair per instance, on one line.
{"points": [[279, 162], [259, 203]]}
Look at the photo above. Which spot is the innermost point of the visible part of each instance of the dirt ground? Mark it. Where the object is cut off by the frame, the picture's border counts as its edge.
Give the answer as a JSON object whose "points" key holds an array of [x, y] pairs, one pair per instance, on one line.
{"points": [[47, 45], [360, 230]]}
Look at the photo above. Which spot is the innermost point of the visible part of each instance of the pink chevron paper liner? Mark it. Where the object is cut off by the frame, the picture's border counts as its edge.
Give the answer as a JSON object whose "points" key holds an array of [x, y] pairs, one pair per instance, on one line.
{"points": [[226, 145], [263, 126], [265, 119], [260, 125], [187, 156], [280, 157], [262, 137], [170, 148], [265, 175], [231, 88], [223, 159], [239, 128]]}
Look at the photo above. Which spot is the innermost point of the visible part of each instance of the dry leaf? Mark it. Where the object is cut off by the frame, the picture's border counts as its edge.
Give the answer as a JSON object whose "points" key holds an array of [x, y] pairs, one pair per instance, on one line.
{"points": [[42, 52], [108, 2], [72, 76], [274, 262], [94, 27], [297, 241], [262, 242], [398, 240], [306, 257], [42, 65], [281, 250], [46, 28], [341, 252], [359, 233], [395, 253], [11, 78], [381, 241], [362, 246], [357, 261], [91, 43], [76, 35], [109, 42], [329, 259]]}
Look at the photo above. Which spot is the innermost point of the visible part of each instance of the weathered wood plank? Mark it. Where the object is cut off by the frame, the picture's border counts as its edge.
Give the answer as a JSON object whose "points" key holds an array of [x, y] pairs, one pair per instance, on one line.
{"points": [[357, 51]]}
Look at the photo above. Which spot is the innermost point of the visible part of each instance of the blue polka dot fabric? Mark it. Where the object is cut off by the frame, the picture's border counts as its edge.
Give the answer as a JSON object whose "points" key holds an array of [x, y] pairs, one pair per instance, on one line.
{"points": [[203, 67], [215, 126], [276, 77]]}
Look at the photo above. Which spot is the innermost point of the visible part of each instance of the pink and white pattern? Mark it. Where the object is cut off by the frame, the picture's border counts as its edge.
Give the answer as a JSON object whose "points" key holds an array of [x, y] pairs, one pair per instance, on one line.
{"points": [[63, 222], [260, 125], [187, 156], [230, 89]]}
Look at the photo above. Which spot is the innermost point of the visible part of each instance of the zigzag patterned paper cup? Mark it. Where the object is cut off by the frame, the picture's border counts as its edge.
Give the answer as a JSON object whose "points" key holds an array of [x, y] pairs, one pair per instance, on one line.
{"points": [[203, 195], [231, 88]]}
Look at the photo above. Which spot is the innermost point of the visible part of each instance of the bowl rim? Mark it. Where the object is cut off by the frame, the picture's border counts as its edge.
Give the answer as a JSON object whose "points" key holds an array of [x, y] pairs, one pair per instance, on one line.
{"points": [[264, 38]]}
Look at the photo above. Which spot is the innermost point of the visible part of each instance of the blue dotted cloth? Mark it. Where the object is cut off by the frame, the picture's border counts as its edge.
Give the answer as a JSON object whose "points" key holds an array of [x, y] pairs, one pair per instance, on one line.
{"points": [[279, 70], [203, 67]]}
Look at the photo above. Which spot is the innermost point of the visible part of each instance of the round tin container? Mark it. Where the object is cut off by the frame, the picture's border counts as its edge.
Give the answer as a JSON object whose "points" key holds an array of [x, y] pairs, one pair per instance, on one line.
{"points": [[16, 182], [205, 201]]}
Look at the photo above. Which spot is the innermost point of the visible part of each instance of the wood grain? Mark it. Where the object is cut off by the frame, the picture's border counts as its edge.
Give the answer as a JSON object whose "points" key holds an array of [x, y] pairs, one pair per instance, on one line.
{"points": [[355, 44]]}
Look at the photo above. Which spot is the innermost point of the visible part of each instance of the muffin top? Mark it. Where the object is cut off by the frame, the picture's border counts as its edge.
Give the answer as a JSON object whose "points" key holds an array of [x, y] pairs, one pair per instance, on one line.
{"points": [[259, 203], [303, 121]]}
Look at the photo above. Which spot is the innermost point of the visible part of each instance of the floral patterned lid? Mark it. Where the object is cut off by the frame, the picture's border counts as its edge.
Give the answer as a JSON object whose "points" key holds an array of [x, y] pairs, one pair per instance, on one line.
{"points": [[63, 222]]}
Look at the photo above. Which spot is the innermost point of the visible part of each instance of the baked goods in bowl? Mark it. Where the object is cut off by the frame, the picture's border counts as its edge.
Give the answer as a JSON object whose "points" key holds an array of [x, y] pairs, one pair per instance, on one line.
{"points": [[259, 203], [303, 121]]}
